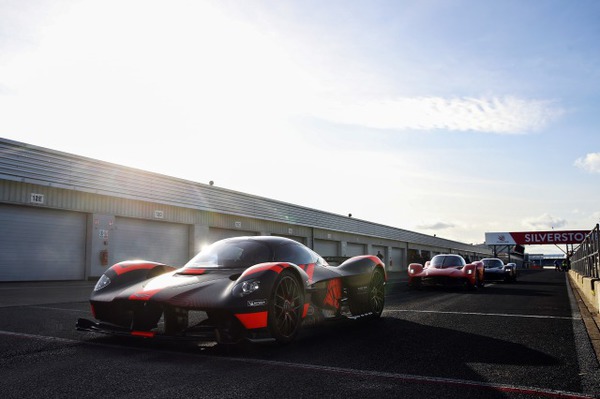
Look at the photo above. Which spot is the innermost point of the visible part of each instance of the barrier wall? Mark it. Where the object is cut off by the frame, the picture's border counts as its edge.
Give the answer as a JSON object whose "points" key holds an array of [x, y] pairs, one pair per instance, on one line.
{"points": [[589, 288]]}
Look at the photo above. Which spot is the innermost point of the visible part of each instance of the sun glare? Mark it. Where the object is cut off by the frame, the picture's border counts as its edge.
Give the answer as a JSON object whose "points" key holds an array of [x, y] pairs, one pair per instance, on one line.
{"points": [[185, 77]]}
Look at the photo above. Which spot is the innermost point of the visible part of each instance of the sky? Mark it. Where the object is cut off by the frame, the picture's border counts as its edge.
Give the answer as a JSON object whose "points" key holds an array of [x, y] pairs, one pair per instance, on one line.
{"points": [[445, 117]]}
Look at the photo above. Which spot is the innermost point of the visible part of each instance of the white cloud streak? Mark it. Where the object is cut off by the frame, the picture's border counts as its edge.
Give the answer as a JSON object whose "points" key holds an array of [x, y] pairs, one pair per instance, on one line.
{"points": [[545, 221], [589, 163], [436, 226], [501, 115]]}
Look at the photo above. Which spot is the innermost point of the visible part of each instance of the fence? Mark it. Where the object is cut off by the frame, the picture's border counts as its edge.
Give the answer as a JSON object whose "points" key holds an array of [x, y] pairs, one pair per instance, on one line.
{"points": [[586, 257]]}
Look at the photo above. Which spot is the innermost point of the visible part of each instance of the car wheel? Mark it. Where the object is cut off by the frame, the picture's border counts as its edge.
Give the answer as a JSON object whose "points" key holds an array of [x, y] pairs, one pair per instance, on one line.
{"points": [[376, 294], [285, 307], [480, 283], [370, 303]]}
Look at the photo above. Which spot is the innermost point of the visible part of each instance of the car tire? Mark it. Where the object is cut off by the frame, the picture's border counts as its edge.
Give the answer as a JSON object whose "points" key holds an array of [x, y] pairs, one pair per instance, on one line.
{"points": [[285, 307], [376, 298], [370, 303], [480, 283]]}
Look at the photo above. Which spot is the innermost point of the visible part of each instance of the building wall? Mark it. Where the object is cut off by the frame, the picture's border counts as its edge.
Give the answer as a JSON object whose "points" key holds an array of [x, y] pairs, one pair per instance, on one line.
{"points": [[93, 214]]}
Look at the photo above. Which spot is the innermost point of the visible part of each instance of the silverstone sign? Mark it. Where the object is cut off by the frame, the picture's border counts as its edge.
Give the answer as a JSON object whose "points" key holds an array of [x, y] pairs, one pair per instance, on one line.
{"points": [[536, 237]]}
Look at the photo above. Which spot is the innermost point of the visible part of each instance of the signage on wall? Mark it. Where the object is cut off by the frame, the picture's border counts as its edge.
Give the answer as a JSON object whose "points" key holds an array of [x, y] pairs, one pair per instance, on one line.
{"points": [[159, 214], [37, 198], [536, 237]]}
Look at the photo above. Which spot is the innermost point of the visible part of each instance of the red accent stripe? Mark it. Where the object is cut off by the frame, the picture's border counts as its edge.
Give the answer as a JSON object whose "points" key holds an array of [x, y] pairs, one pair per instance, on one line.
{"points": [[145, 334], [305, 310], [126, 267], [310, 271], [192, 271], [143, 295], [276, 267], [253, 320]]}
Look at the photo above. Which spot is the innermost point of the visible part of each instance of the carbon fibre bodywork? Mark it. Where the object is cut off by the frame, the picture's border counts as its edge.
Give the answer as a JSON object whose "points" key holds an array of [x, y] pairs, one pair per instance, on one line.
{"points": [[260, 288]]}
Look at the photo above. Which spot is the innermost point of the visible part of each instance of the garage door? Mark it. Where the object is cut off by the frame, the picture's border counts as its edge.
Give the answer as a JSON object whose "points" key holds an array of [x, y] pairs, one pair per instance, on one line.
{"points": [[151, 240], [41, 244], [382, 250], [397, 260], [326, 248], [353, 249]]}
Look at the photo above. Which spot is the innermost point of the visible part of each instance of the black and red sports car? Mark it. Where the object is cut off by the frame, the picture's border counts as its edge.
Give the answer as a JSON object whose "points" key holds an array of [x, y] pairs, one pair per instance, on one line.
{"points": [[244, 288], [496, 270]]}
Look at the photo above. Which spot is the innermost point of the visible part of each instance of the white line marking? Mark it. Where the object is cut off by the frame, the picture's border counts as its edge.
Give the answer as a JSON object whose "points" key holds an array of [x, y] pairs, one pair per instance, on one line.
{"points": [[39, 337], [353, 372], [62, 309], [421, 379], [530, 316]]}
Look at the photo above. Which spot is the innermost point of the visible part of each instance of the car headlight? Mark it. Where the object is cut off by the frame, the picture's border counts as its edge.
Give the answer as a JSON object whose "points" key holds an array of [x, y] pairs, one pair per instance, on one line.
{"points": [[102, 282], [250, 286], [246, 287]]}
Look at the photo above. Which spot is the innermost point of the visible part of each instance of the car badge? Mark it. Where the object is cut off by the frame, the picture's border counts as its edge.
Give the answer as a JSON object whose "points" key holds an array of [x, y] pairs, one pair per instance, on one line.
{"points": [[257, 302]]}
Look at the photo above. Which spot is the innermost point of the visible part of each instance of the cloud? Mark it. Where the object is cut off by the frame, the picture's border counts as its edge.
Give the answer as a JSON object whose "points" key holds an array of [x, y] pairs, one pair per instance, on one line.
{"points": [[589, 163], [507, 115], [436, 226], [544, 221]]}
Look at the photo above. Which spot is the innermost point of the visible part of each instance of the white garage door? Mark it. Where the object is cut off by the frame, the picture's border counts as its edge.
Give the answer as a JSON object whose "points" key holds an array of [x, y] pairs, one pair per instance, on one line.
{"points": [[326, 248], [397, 260], [41, 244], [353, 249], [149, 240]]}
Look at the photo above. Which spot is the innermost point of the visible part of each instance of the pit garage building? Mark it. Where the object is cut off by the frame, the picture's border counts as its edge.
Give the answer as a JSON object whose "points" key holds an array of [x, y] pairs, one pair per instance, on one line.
{"points": [[67, 217]]}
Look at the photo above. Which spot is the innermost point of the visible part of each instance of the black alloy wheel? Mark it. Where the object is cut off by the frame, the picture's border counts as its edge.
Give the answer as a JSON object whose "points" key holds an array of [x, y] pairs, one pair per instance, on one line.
{"points": [[377, 294], [285, 307]]}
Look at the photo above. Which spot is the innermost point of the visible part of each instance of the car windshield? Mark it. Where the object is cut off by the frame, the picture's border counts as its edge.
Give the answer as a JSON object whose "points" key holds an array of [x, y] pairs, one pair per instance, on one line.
{"points": [[232, 254], [444, 261], [492, 263], [243, 253]]}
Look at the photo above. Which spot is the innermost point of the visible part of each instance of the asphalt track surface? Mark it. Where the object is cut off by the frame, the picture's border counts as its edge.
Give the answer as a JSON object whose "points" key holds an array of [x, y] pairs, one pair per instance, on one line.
{"points": [[520, 340]]}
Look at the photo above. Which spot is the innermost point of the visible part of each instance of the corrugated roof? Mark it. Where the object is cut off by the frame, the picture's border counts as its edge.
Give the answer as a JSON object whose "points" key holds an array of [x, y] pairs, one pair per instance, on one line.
{"points": [[32, 164]]}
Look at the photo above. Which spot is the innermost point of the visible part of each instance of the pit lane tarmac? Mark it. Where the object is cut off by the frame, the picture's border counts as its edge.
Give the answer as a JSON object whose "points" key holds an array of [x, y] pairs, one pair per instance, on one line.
{"points": [[507, 340]]}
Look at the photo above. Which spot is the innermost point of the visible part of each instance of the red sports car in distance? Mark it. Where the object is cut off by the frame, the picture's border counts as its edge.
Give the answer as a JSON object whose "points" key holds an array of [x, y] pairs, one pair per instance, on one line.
{"points": [[446, 269]]}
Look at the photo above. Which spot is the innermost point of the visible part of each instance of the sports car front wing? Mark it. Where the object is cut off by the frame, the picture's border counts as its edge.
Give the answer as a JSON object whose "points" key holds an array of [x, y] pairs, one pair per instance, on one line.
{"points": [[197, 333]]}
